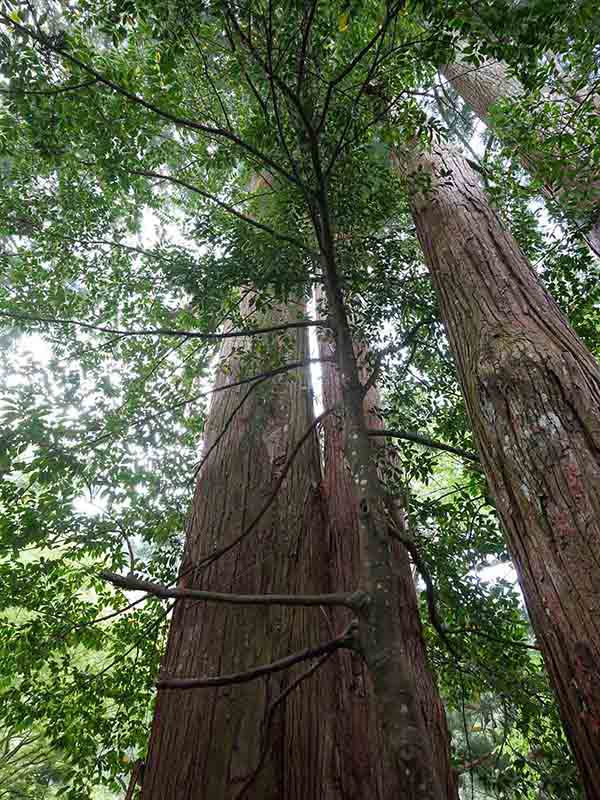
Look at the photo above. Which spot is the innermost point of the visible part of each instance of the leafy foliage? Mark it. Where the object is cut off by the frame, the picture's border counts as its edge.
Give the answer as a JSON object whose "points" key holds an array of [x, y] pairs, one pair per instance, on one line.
{"points": [[131, 133]]}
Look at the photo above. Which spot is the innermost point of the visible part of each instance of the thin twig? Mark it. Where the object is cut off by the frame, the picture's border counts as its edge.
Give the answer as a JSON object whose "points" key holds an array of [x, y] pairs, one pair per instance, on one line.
{"points": [[430, 593], [511, 642], [209, 559], [272, 373], [272, 75], [149, 418], [225, 206], [200, 49], [72, 88], [226, 426], [351, 114], [406, 340], [136, 778], [308, 21]]}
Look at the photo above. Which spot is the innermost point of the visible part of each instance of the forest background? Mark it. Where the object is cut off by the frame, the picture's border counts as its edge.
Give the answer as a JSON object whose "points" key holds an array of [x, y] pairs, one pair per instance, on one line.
{"points": [[209, 212]]}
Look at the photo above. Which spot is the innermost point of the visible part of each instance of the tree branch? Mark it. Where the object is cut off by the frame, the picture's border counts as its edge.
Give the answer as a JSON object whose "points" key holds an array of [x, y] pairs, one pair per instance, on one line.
{"points": [[430, 593], [47, 92], [419, 438], [211, 337], [225, 427], [374, 377], [149, 418], [137, 778], [307, 25], [512, 642], [346, 640], [271, 74], [476, 762], [393, 12], [225, 206], [207, 75], [131, 583], [262, 103], [268, 374], [209, 559], [221, 133], [269, 719]]}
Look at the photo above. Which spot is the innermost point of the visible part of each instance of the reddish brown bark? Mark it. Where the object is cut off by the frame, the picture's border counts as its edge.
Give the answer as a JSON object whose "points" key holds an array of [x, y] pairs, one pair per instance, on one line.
{"points": [[206, 743], [359, 733], [485, 86], [532, 391]]}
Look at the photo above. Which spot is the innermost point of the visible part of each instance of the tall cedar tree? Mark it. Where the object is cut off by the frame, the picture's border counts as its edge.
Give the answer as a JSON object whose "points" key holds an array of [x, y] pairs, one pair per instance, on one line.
{"points": [[532, 392], [226, 742]]}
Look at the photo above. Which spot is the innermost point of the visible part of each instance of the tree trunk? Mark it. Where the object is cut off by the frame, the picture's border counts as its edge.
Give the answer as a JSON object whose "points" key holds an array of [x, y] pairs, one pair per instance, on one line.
{"points": [[485, 86], [407, 746], [207, 743], [359, 734], [532, 392]]}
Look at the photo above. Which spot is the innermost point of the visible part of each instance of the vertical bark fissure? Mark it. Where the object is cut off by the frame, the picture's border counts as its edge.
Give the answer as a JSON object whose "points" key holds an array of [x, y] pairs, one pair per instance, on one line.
{"points": [[532, 392]]}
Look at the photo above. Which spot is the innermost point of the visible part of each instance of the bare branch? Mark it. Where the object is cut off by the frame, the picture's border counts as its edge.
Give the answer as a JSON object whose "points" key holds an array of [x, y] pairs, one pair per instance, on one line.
{"points": [[511, 642], [374, 377], [346, 640], [430, 593], [280, 130], [95, 621], [269, 374], [419, 438], [307, 25], [131, 583], [211, 337], [272, 373], [47, 92], [136, 778], [207, 75], [226, 426], [149, 418], [269, 719], [262, 103], [352, 112]]}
